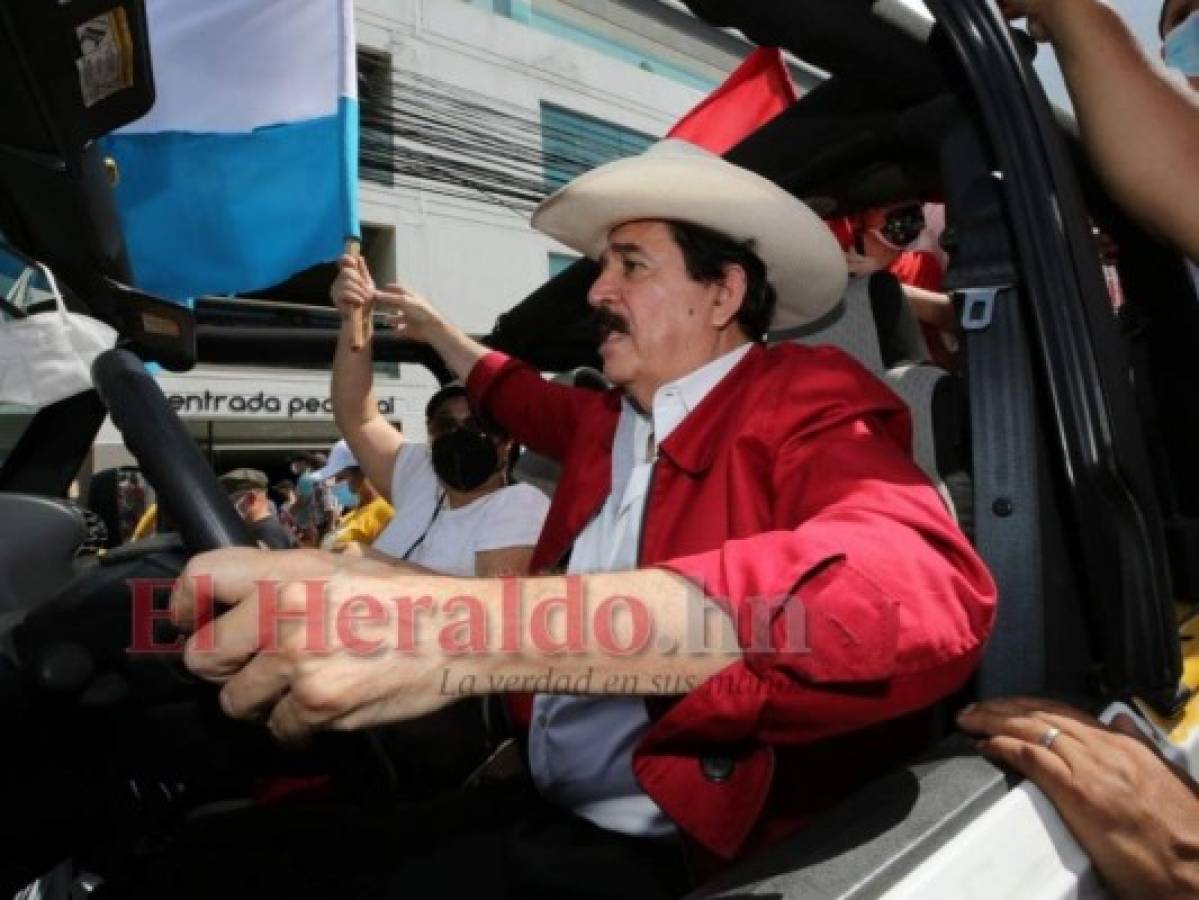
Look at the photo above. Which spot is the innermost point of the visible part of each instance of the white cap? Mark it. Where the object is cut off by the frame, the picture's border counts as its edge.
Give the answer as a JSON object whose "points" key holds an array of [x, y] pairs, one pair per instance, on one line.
{"points": [[341, 457]]}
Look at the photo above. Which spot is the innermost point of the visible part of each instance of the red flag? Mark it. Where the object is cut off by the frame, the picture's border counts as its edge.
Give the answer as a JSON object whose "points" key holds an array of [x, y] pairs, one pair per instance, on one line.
{"points": [[755, 93]]}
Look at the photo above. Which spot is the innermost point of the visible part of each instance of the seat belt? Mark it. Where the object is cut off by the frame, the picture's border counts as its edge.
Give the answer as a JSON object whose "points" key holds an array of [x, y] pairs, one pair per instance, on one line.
{"points": [[1007, 510]]}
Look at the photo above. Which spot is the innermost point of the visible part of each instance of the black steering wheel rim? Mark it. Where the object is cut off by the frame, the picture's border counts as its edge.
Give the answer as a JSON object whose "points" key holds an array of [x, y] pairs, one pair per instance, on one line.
{"points": [[167, 454]]}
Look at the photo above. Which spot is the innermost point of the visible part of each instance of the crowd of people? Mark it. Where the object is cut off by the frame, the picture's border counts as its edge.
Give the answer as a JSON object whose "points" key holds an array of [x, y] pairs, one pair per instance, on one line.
{"points": [[717, 474], [449, 506]]}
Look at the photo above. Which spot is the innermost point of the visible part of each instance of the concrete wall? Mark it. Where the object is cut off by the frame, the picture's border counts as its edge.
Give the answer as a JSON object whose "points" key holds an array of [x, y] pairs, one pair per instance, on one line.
{"points": [[474, 259]]}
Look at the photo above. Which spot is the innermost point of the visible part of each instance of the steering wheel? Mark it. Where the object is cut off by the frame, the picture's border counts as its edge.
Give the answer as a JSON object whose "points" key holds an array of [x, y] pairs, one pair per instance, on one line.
{"points": [[71, 668], [168, 455], [85, 628], [92, 717]]}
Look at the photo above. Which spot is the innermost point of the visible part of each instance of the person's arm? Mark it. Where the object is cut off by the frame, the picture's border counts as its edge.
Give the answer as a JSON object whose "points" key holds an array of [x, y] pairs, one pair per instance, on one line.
{"points": [[866, 602], [862, 264], [396, 646], [1139, 123], [802, 616], [873, 607], [373, 439], [537, 413], [415, 318], [932, 308], [1136, 816]]}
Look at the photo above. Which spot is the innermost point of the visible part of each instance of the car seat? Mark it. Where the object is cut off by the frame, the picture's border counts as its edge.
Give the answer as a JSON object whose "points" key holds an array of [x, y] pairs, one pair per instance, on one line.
{"points": [[874, 324]]}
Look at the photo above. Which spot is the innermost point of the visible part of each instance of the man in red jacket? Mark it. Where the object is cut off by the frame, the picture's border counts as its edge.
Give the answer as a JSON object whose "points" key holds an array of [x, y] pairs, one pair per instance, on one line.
{"points": [[761, 589]]}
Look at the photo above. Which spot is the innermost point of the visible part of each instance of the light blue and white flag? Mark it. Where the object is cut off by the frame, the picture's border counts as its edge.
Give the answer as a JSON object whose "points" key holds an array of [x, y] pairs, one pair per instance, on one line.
{"points": [[245, 171]]}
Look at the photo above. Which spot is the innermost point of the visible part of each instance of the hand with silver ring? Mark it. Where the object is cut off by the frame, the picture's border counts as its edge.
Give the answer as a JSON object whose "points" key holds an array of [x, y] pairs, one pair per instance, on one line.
{"points": [[1135, 815], [1051, 734]]}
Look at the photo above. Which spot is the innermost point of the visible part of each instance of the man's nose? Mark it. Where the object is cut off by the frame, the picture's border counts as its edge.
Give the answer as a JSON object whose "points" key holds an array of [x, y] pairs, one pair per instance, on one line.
{"points": [[601, 290]]}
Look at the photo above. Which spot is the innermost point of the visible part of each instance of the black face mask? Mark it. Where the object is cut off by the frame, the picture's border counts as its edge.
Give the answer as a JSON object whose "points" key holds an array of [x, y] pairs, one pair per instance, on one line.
{"points": [[464, 458]]}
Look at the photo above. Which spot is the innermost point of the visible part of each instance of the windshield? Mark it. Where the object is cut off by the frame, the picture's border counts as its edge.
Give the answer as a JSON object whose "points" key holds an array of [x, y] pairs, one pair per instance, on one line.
{"points": [[25, 290]]}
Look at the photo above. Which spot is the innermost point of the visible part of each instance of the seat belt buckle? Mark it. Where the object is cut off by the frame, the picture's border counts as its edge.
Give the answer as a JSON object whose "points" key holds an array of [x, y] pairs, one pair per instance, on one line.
{"points": [[978, 307]]}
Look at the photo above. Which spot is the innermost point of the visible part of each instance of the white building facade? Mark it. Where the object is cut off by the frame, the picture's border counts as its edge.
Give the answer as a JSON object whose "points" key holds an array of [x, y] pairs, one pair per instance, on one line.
{"points": [[624, 67]]}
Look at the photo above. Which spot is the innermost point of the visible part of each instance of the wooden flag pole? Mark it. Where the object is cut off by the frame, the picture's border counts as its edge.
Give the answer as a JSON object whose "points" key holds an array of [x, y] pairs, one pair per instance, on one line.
{"points": [[360, 325]]}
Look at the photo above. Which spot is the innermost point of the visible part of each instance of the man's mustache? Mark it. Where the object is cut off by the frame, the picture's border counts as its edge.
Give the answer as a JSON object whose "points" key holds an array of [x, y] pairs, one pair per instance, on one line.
{"points": [[605, 321]]}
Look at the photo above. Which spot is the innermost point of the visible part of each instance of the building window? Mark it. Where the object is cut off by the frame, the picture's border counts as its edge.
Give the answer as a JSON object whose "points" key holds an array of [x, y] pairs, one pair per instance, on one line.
{"points": [[511, 9], [376, 142], [574, 143], [379, 248]]}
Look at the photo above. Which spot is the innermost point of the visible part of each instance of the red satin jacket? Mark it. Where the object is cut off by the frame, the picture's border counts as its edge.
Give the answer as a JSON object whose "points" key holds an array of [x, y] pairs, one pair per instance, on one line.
{"points": [[789, 491]]}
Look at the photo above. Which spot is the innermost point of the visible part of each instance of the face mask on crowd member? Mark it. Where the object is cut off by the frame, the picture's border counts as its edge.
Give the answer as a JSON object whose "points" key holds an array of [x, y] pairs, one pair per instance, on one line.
{"points": [[246, 504], [1180, 37], [342, 473], [345, 495], [1182, 46], [247, 491], [464, 458], [465, 454]]}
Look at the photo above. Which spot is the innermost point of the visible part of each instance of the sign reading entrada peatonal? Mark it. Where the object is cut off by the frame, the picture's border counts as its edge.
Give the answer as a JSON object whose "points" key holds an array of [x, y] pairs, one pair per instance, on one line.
{"points": [[211, 403]]}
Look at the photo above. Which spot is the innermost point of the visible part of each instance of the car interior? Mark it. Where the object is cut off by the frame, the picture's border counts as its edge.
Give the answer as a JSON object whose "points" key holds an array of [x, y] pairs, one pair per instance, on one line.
{"points": [[1063, 446]]}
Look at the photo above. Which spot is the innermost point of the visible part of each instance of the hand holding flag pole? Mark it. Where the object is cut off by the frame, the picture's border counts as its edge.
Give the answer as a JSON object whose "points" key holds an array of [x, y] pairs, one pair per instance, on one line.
{"points": [[360, 323]]}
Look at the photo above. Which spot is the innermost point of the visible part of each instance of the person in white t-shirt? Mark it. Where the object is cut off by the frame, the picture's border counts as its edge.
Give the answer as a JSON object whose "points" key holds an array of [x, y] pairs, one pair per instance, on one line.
{"points": [[455, 511]]}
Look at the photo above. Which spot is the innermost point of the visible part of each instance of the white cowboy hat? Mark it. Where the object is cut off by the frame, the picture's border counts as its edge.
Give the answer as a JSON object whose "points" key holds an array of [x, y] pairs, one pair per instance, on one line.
{"points": [[679, 181]]}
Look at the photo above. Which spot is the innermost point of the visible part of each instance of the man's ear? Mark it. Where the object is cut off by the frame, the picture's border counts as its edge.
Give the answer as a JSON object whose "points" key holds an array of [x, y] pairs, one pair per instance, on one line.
{"points": [[730, 295]]}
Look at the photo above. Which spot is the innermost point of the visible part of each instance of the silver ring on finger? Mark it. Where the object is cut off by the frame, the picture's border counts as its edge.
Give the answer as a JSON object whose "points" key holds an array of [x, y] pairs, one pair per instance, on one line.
{"points": [[1051, 734]]}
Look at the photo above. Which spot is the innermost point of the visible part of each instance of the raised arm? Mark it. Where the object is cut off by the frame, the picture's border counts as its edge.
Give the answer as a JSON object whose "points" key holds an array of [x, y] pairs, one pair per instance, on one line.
{"points": [[374, 440], [1119, 90], [863, 604]]}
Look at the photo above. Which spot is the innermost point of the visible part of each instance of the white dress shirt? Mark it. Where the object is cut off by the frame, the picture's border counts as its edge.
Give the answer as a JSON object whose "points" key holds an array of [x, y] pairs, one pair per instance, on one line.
{"points": [[581, 748]]}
